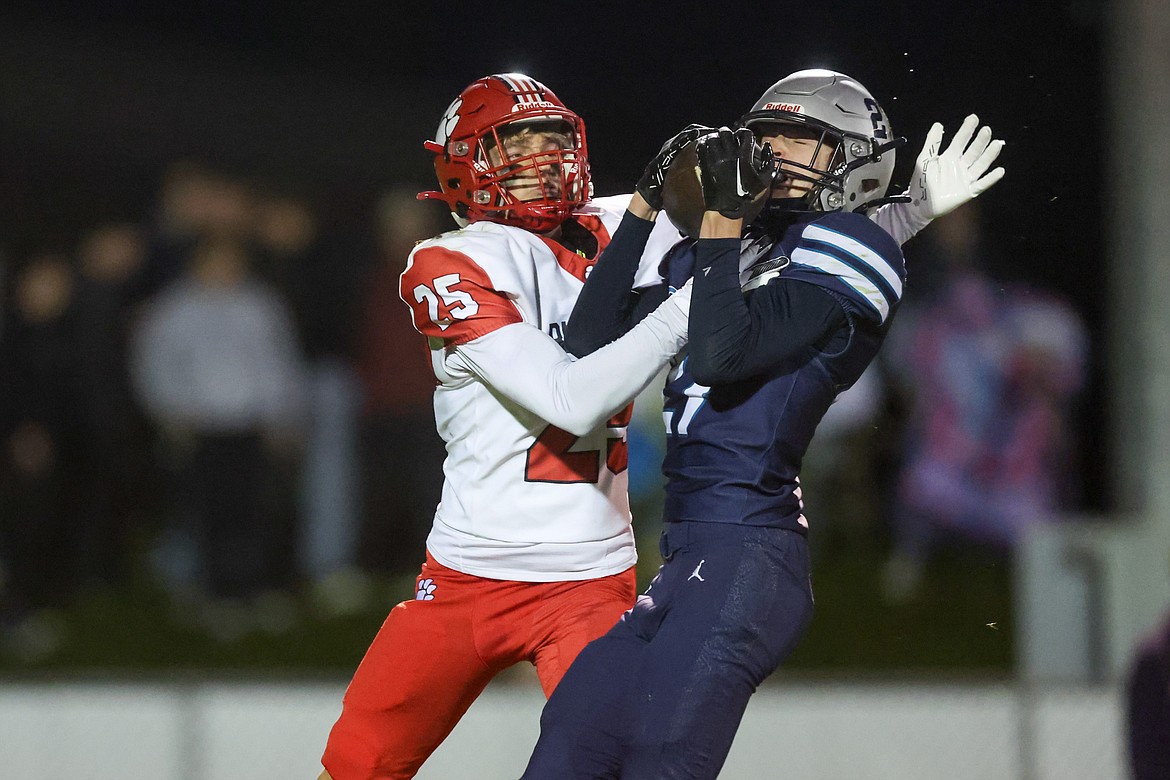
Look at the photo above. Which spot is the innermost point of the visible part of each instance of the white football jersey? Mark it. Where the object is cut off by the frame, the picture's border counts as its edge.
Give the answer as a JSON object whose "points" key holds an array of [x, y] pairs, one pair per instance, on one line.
{"points": [[522, 499]]}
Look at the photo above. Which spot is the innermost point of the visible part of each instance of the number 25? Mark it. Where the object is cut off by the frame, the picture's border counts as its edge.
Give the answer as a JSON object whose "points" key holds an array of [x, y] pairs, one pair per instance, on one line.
{"points": [[460, 305], [550, 458]]}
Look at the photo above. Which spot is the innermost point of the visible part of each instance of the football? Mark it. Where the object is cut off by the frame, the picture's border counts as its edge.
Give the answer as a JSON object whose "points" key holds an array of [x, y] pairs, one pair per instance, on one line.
{"points": [[682, 194]]}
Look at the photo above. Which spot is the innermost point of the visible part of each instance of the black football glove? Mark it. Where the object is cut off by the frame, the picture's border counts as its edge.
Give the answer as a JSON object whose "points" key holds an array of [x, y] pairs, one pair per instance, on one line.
{"points": [[734, 170], [650, 185]]}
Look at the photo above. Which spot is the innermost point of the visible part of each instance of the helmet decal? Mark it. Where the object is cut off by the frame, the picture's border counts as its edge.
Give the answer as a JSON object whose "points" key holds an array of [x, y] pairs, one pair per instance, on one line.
{"points": [[527, 92], [449, 120], [878, 117]]}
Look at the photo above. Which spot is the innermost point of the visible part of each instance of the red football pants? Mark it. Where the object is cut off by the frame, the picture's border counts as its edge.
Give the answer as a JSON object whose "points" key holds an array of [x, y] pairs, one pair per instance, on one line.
{"points": [[432, 658]]}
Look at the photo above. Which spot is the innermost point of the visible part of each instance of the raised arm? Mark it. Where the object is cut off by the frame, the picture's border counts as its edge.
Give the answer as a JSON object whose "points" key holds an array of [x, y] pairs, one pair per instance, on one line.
{"points": [[943, 181], [735, 336], [532, 370], [608, 305]]}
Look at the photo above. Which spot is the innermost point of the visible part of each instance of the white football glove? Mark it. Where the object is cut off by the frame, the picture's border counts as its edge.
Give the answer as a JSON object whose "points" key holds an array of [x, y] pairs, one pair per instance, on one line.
{"points": [[943, 182]]}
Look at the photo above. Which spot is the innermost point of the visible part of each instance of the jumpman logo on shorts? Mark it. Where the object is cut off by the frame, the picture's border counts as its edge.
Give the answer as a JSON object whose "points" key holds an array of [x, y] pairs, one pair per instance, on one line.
{"points": [[695, 574]]}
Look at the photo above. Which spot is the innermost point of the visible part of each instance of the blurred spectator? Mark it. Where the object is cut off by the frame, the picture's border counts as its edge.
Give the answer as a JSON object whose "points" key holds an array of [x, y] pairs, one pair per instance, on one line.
{"points": [[323, 285], [5, 271], [1148, 708], [194, 202], [838, 474], [216, 365], [402, 455], [116, 439], [992, 370], [41, 397]]}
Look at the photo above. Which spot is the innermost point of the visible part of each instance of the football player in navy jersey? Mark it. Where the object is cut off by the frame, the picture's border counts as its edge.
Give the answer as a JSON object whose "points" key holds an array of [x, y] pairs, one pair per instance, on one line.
{"points": [[785, 314]]}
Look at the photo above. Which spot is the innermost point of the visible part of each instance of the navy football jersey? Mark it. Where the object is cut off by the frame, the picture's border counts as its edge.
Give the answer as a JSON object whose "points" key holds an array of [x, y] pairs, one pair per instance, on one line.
{"points": [[734, 450]]}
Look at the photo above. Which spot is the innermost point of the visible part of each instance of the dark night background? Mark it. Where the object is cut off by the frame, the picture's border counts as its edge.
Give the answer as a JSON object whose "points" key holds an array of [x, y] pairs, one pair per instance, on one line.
{"points": [[334, 101], [97, 98]]}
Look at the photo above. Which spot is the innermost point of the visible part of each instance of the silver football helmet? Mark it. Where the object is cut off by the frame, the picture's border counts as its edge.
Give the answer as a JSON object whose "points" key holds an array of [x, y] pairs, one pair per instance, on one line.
{"points": [[847, 116]]}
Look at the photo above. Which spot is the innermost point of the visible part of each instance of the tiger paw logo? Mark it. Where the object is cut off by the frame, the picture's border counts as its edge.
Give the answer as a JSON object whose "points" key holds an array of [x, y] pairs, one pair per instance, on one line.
{"points": [[449, 120], [426, 590]]}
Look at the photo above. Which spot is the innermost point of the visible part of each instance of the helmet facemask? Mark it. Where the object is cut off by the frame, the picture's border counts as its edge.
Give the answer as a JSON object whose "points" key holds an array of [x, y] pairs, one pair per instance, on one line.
{"points": [[529, 173], [838, 181], [821, 179]]}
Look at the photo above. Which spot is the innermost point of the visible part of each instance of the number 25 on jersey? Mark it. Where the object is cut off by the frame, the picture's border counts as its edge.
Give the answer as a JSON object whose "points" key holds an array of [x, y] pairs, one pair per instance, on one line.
{"points": [[551, 458], [459, 304]]}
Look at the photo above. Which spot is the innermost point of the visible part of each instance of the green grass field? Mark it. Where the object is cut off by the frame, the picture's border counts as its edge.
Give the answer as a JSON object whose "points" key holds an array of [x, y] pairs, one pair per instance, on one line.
{"points": [[961, 624]]}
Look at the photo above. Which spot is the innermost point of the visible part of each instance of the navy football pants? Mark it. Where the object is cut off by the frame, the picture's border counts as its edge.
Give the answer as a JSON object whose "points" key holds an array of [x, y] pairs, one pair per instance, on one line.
{"points": [[661, 695]]}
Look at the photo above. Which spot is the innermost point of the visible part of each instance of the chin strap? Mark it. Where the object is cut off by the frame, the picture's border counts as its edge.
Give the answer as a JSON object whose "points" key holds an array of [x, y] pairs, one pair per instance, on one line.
{"points": [[873, 204], [779, 209], [887, 146]]}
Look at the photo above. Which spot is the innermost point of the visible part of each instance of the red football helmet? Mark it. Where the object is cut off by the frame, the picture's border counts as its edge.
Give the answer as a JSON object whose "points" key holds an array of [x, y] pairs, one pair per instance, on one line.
{"points": [[487, 172]]}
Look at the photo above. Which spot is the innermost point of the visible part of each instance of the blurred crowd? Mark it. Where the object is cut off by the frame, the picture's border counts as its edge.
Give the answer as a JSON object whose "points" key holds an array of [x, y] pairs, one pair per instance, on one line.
{"points": [[226, 399], [966, 432]]}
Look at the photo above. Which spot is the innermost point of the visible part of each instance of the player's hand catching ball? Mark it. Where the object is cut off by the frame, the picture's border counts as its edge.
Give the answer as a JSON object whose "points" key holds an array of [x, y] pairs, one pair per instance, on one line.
{"points": [[653, 178], [734, 171]]}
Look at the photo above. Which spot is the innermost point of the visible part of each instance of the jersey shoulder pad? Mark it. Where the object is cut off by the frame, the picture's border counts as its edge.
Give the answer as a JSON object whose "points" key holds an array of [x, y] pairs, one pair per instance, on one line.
{"points": [[607, 207], [612, 208], [860, 228], [461, 285], [849, 254], [502, 251], [601, 216]]}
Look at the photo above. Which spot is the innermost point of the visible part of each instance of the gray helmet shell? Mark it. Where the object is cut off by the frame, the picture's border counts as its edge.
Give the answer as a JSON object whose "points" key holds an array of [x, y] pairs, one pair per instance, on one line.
{"points": [[841, 106]]}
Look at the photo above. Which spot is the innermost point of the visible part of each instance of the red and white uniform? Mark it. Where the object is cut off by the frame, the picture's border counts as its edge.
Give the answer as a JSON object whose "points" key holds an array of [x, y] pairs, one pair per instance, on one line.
{"points": [[535, 476], [531, 554]]}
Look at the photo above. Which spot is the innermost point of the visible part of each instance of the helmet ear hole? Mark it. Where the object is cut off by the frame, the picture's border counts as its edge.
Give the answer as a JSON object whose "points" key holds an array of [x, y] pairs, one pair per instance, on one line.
{"points": [[869, 185]]}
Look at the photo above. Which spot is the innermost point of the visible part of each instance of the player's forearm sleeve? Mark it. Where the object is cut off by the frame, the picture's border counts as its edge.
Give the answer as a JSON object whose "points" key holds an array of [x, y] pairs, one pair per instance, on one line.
{"points": [[899, 220], [577, 396], [733, 338], [607, 301]]}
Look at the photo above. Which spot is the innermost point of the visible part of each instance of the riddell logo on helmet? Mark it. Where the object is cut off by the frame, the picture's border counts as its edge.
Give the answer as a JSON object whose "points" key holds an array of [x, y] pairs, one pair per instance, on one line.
{"points": [[533, 104], [793, 107]]}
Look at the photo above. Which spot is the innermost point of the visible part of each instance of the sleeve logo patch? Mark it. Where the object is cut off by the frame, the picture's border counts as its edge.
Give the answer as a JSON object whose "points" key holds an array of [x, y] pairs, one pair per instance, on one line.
{"points": [[426, 590]]}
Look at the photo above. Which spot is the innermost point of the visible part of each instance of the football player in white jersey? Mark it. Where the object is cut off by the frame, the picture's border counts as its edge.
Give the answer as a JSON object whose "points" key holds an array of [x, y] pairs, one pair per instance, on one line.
{"points": [[531, 554]]}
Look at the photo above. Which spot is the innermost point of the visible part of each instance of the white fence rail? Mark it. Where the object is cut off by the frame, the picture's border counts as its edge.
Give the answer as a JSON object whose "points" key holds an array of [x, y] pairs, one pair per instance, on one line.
{"points": [[793, 731]]}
